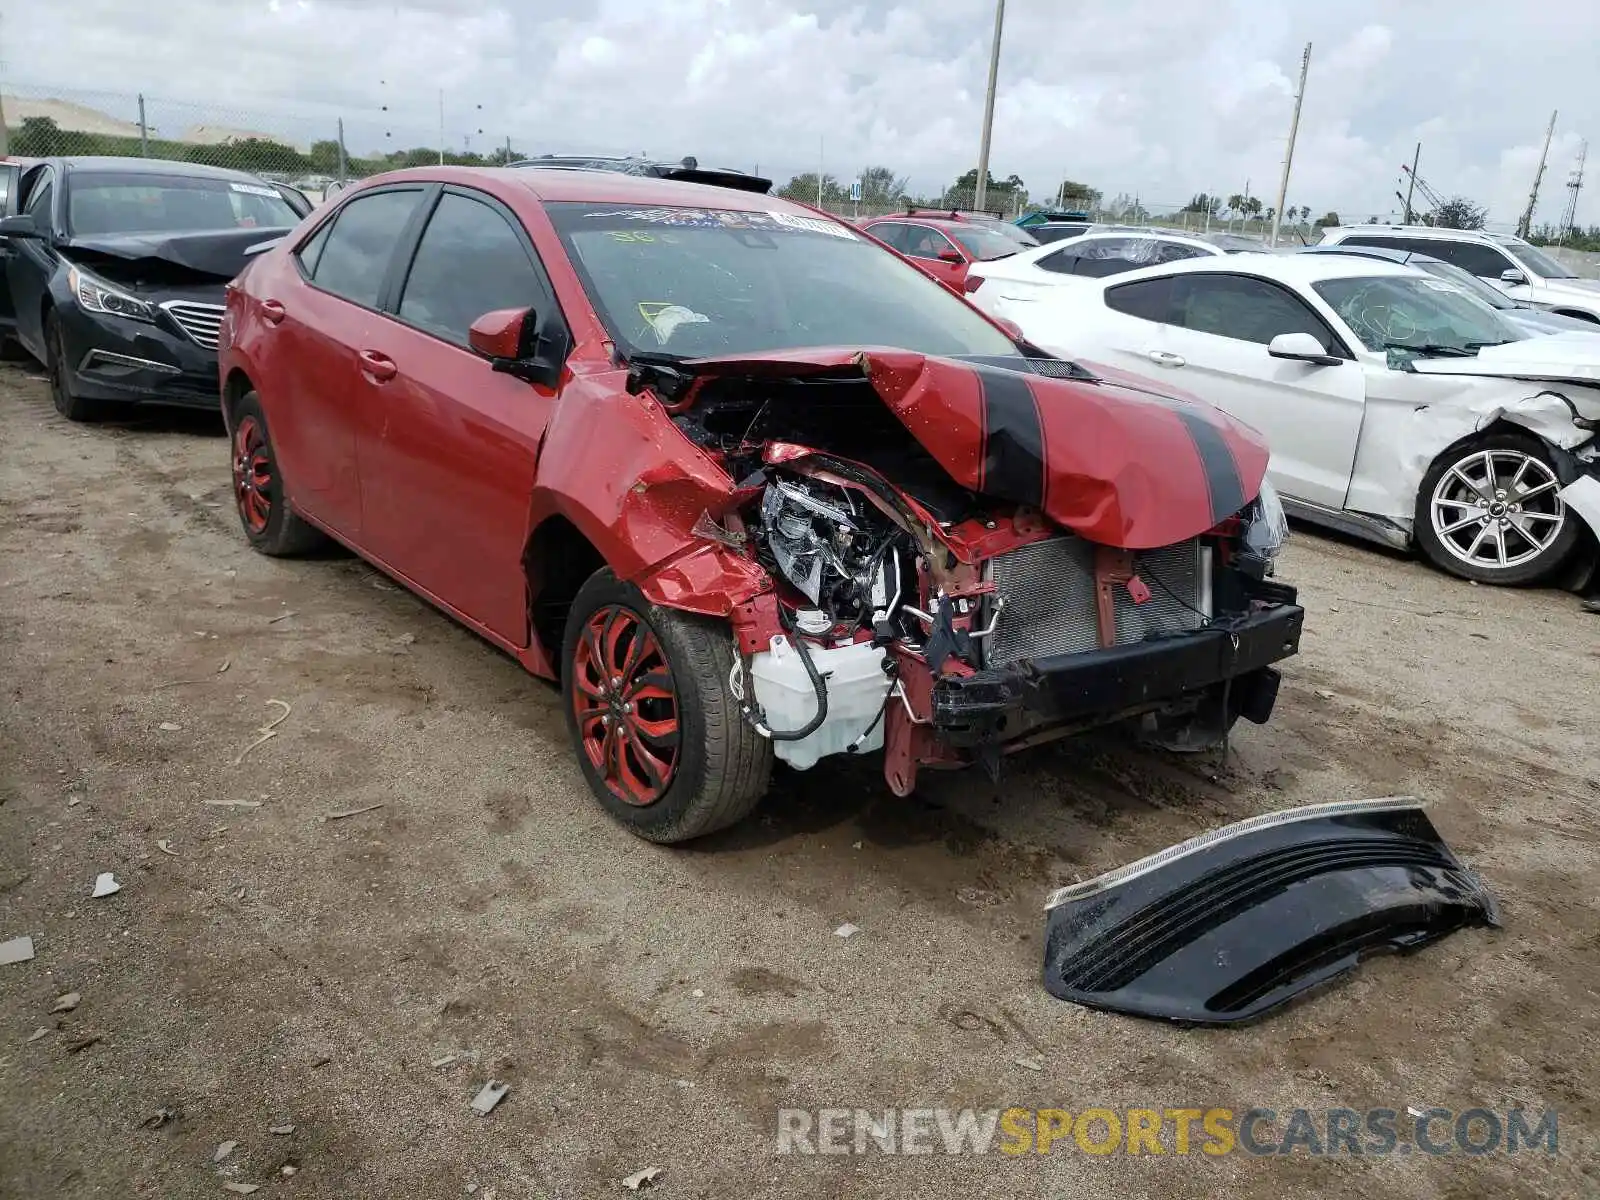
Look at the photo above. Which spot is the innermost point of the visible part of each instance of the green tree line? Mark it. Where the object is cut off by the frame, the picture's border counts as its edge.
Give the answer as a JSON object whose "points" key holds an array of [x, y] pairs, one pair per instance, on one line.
{"points": [[41, 137]]}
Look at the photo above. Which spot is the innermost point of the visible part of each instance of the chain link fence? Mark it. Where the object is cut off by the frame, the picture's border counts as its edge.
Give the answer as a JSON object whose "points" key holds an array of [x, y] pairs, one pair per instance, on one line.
{"points": [[320, 148], [314, 150]]}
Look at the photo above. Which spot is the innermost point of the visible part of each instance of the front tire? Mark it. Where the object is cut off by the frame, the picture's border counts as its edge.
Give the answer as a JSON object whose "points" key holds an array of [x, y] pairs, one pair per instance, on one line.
{"points": [[658, 735], [270, 525], [1490, 511], [73, 408]]}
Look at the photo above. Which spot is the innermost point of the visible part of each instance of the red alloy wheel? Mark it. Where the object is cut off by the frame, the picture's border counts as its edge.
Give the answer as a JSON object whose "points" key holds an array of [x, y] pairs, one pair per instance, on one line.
{"points": [[626, 704], [252, 475]]}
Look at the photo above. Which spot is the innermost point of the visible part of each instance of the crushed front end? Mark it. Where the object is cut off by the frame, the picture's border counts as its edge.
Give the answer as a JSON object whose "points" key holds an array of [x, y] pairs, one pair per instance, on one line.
{"points": [[967, 560]]}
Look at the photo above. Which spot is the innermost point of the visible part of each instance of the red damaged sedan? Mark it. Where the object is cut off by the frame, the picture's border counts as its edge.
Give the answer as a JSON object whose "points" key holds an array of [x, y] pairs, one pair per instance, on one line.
{"points": [[748, 485]]}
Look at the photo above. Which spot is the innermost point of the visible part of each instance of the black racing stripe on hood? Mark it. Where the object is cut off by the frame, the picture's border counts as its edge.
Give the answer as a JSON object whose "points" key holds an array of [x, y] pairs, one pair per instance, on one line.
{"points": [[1221, 471], [1013, 442]]}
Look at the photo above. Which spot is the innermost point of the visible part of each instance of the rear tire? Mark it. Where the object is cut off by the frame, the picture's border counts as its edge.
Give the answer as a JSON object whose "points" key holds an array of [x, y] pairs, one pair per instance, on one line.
{"points": [[1488, 511], [73, 408], [270, 524], [659, 737]]}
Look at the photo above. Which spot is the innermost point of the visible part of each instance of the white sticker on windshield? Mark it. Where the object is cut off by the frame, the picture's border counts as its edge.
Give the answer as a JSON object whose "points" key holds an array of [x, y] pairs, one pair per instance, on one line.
{"points": [[811, 225], [254, 189]]}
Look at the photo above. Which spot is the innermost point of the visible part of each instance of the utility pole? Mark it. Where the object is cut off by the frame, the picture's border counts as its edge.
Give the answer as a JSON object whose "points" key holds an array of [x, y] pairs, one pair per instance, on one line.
{"points": [[508, 150], [441, 127], [821, 157], [344, 166], [988, 107], [1569, 218], [1412, 181], [1288, 154], [144, 135], [1538, 176]]}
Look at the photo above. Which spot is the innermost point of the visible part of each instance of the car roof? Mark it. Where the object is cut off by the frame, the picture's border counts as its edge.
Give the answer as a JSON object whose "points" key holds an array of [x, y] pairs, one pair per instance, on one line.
{"points": [[556, 185], [1287, 268], [1425, 232], [1145, 231], [109, 164], [944, 223], [1385, 253]]}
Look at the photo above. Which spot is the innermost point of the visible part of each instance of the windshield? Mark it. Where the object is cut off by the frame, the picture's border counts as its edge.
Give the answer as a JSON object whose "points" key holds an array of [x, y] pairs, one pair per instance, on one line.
{"points": [[1421, 314], [134, 203], [1018, 236], [1541, 262], [1466, 281], [699, 282], [985, 244]]}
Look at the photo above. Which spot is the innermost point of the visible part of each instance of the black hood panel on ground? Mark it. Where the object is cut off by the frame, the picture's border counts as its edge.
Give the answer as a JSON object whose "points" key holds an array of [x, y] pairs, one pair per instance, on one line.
{"points": [[220, 253], [1230, 925]]}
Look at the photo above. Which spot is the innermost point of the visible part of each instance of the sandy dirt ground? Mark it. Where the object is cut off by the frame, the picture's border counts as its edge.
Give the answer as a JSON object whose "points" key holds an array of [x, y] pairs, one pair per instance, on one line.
{"points": [[655, 1007]]}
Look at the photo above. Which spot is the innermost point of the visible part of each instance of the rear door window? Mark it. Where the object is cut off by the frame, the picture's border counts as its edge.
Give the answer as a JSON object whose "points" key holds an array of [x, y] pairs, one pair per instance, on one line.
{"points": [[40, 199], [921, 241], [1475, 258], [892, 232], [354, 261]]}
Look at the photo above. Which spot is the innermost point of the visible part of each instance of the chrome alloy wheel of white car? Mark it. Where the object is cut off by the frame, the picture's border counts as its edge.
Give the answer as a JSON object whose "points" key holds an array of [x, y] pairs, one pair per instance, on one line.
{"points": [[1497, 509]]}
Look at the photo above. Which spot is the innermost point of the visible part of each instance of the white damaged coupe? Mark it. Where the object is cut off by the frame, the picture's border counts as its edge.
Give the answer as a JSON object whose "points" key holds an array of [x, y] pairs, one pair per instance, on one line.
{"points": [[1398, 408]]}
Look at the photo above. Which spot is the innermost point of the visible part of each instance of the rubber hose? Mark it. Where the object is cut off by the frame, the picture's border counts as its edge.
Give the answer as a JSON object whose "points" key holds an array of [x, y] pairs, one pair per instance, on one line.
{"points": [[817, 686]]}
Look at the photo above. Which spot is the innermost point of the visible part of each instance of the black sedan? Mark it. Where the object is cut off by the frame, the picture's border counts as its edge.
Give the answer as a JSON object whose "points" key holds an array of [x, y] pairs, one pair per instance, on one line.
{"points": [[114, 270]]}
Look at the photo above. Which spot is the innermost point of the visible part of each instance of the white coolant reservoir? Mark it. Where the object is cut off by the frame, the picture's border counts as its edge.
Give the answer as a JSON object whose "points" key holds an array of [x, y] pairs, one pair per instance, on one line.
{"points": [[857, 689]]}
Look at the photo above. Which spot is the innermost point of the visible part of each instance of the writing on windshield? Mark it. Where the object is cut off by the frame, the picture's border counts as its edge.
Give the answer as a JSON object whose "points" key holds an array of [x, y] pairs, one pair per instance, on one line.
{"points": [[694, 282]]}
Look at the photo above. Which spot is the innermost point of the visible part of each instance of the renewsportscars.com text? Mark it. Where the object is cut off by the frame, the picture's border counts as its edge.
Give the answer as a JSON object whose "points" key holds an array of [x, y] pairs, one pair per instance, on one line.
{"points": [[1211, 1132]]}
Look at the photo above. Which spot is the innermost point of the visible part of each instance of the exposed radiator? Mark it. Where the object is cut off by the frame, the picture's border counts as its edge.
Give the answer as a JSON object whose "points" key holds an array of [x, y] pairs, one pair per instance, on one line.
{"points": [[1049, 590]]}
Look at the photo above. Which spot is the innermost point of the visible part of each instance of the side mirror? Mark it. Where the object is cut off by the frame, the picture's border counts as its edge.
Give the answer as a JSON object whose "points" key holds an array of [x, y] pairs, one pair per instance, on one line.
{"points": [[1513, 276], [511, 339], [1301, 347], [951, 256], [20, 226], [1012, 329]]}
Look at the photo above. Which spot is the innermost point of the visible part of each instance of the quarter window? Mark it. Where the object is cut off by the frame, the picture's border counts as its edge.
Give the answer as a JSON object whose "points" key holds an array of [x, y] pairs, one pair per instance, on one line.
{"points": [[470, 262], [1148, 299], [1251, 310], [355, 258]]}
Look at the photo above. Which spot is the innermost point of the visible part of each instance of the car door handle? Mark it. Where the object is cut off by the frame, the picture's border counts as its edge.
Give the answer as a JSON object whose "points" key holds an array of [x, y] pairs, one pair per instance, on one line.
{"points": [[379, 366], [272, 312], [1164, 358]]}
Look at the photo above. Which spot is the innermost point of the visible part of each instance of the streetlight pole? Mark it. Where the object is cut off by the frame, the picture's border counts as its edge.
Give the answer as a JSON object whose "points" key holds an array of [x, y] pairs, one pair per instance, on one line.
{"points": [[988, 107]]}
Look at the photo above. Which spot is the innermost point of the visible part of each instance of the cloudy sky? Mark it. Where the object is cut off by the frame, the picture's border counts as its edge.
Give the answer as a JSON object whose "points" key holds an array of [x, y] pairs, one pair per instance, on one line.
{"points": [[1152, 97]]}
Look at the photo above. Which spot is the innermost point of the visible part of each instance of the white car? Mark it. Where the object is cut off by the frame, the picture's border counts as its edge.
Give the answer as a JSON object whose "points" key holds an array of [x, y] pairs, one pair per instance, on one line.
{"points": [[1397, 407], [1518, 268], [997, 283]]}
